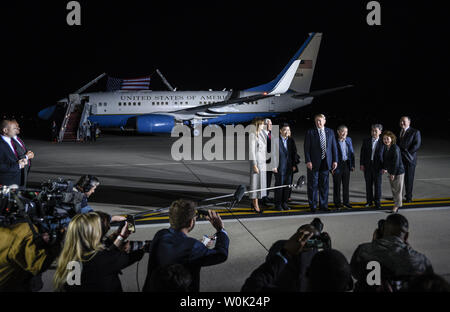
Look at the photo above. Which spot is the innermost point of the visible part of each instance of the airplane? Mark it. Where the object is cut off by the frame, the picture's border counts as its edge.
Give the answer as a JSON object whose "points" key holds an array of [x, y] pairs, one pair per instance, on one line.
{"points": [[147, 111]]}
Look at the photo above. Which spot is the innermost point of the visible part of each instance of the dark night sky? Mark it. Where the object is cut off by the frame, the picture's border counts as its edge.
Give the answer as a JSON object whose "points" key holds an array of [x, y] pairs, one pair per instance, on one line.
{"points": [[400, 66]]}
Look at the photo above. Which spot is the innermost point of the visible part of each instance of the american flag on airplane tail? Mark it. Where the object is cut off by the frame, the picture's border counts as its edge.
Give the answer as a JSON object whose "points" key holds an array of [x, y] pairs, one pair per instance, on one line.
{"points": [[142, 83], [305, 64]]}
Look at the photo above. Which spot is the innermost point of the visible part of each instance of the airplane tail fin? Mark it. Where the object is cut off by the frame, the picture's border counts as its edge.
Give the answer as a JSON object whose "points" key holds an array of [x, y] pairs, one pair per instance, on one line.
{"points": [[307, 55]]}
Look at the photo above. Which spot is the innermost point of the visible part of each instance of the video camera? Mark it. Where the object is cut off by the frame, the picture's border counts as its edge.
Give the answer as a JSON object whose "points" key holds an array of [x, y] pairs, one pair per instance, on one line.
{"points": [[320, 240], [49, 208]]}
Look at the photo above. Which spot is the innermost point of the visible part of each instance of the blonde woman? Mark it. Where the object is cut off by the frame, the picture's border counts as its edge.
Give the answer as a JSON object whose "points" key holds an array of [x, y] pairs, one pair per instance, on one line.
{"points": [[393, 165], [100, 266], [258, 175]]}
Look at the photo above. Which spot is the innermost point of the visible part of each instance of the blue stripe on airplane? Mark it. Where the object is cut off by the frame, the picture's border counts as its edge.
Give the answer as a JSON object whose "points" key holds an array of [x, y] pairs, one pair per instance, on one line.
{"points": [[270, 85], [121, 120], [238, 117], [110, 120]]}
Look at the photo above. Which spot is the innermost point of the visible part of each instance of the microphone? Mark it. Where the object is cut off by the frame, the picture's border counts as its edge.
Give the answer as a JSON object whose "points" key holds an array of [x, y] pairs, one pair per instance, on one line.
{"points": [[239, 193], [300, 182]]}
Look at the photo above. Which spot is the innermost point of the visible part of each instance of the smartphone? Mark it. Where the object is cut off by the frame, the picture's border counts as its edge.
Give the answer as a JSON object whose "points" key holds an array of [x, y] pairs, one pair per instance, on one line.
{"points": [[131, 224]]}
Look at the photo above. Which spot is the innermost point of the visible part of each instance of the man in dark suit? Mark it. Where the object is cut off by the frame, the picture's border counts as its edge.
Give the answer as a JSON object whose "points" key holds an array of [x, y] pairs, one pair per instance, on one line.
{"points": [[173, 246], [371, 162], [409, 142], [321, 157], [23, 153], [285, 167], [346, 164], [10, 163]]}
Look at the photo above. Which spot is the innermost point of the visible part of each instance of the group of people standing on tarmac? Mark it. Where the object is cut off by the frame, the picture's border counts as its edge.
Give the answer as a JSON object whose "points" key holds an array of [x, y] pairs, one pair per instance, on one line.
{"points": [[89, 132], [325, 153]]}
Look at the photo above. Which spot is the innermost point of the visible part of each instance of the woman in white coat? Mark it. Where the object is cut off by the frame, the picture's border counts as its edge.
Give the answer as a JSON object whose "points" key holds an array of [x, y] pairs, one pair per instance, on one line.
{"points": [[258, 148]]}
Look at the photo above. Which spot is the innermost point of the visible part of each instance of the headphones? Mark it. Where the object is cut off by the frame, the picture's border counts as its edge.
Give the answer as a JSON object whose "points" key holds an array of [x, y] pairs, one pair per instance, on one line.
{"points": [[87, 182]]}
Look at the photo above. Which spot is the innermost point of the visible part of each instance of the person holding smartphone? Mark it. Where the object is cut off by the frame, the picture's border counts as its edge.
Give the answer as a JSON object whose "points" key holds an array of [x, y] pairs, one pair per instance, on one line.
{"points": [[100, 266]]}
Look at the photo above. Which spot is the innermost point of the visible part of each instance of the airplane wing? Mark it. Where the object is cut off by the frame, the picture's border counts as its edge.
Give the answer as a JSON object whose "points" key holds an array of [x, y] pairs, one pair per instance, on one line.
{"points": [[231, 100], [281, 87], [299, 95]]}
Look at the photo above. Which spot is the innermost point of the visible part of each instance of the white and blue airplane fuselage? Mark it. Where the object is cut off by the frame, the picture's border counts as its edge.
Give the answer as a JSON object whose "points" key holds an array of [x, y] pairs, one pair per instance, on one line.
{"points": [[146, 110], [159, 111]]}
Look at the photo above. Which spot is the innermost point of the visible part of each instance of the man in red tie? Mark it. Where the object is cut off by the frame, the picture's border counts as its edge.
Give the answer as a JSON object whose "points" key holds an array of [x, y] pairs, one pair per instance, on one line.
{"points": [[22, 151], [10, 163]]}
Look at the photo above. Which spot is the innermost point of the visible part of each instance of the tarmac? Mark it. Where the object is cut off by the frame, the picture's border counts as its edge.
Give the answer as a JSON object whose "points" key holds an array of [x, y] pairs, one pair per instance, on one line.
{"points": [[138, 174]]}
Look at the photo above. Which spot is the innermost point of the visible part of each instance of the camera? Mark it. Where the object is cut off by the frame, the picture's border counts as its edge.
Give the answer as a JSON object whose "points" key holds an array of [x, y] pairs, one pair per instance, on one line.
{"points": [[320, 240], [136, 245], [50, 208]]}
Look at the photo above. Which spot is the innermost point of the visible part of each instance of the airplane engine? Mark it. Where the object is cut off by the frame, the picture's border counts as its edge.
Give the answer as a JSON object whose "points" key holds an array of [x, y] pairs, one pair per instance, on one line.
{"points": [[154, 123]]}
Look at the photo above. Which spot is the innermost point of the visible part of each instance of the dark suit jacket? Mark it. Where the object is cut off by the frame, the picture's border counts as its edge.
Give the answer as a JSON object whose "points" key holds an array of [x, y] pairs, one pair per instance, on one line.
{"points": [[366, 153], [409, 145], [9, 166], [287, 158], [350, 153], [313, 151], [170, 246], [392, 160], [22, 151], [101, 273], [269, 145]]}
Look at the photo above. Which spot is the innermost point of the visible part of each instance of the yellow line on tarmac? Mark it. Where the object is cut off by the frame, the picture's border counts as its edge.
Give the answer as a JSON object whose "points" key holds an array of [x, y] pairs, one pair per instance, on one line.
{"points": [[356, 206]]}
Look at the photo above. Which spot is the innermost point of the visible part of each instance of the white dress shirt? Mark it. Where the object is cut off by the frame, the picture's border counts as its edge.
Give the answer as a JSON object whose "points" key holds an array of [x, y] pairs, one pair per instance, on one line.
{"points": [[8, 140], [374, 144]]}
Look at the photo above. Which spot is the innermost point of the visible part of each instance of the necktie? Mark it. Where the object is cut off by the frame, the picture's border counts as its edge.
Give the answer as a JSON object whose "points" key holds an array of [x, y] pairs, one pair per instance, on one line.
{"points": [[402, 134], [374, 146], [322, 142], [21, 143], [13, 143]]}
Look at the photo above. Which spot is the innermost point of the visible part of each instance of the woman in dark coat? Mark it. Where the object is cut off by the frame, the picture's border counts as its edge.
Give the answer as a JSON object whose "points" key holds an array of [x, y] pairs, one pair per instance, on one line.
{"points": [[98, 266], [393, 165]]}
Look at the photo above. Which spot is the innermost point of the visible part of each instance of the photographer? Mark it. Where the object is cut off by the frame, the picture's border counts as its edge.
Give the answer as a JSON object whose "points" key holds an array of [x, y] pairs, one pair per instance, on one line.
{"points": [[390, 248], [100, 265], [172, 245], [270, 275], [24, 254], [292, 276], [326, 270], [87, 185]]}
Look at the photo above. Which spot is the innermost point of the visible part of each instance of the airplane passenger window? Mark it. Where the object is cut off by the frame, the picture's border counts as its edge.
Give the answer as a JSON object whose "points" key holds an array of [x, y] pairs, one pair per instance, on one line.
{"points": [[120, 104], [134, 103], [139, 103], [99, 104]]}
